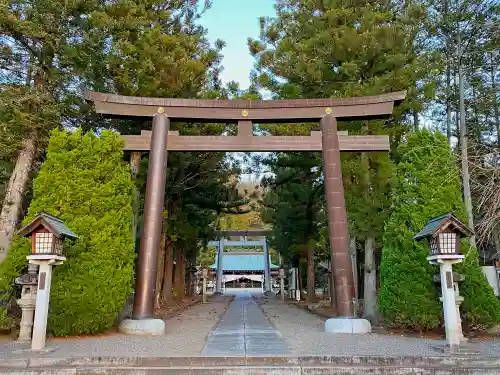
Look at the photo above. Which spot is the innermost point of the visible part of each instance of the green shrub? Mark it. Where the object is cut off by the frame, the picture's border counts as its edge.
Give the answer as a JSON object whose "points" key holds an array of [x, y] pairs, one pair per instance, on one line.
{"points": [[427, 184], [480, 306], [85, 182]]}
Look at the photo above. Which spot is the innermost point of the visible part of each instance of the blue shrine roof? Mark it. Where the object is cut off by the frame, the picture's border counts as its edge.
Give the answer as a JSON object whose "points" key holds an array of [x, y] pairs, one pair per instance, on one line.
{"points": [[244, 261]]}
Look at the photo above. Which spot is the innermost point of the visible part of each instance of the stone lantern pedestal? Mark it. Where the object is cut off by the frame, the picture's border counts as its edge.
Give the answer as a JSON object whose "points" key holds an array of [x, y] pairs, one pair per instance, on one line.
{"points": [[45, 263], [458, 301]]}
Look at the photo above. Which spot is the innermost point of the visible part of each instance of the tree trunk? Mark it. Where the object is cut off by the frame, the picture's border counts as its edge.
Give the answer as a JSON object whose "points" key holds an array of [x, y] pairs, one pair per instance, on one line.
{"points": [[463, 147], [182, 286], [135, 164], [496, 241], [311, 290], [415, 120], [495, 101], [448, 84], [192, 276], [12, 204], [448, 104], [179, 274], [354, 259], [160, 274], [169, 267], [370, 281]]}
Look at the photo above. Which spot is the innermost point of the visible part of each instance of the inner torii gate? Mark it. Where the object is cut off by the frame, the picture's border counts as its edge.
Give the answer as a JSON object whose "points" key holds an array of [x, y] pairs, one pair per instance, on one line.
{"points": [[245, 113], [243, 234]]}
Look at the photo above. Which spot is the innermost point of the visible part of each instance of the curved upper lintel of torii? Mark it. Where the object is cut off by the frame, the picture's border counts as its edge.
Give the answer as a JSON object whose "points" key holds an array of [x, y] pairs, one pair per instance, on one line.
{"points": [[199, 110], [243, 232]]}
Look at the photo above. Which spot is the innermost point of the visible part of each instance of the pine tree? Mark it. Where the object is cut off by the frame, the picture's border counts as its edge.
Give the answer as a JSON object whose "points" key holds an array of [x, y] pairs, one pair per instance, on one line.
{"points": [[51, 52], [295, 192], [85, 182], [339, 49]]}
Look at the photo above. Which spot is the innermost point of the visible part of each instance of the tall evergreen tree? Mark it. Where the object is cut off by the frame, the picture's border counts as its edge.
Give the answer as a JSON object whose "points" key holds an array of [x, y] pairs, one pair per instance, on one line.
{"points": [[44, 47], [85, 182], [294, 192], [51, 52], [342, 48], [427, 184]]}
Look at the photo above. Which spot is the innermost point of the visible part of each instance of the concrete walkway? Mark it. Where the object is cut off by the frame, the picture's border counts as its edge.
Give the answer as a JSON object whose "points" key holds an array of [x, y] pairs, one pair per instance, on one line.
{"points": [[244, 330]]}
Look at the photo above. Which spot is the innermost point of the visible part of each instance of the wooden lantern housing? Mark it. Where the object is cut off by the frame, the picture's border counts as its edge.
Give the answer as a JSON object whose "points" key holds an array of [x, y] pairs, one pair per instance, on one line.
{"points": [[47, 234], [444, 233]]}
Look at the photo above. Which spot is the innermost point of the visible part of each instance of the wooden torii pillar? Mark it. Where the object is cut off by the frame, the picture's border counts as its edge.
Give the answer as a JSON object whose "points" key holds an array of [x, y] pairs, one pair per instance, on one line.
{"points": [[245, 113]]}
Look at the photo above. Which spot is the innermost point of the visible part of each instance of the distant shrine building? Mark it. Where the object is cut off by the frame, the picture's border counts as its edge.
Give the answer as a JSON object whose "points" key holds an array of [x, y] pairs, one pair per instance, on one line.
{"points": [[244, 269]]}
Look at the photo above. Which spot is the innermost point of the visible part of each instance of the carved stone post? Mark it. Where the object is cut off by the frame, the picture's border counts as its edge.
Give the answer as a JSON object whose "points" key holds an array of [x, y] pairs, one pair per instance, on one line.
{"points": [[204, 277], [282, 283], [220, 270], [267, 267]]}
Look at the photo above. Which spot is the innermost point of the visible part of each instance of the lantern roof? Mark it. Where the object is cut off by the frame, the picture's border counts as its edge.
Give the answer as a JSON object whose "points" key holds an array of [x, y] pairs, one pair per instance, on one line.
{"points": [[54, 224], [27, 279], [441, 223]]}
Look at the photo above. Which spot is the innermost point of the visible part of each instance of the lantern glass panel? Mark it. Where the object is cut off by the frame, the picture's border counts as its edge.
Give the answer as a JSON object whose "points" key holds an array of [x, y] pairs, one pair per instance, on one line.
{"points": [[433, 243], [448, 242], [43, 243], [58, 246]]}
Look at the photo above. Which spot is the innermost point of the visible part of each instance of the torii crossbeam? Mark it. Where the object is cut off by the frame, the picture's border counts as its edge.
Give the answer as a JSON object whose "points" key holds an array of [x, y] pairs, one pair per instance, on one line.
{"points": [[245, 113]]}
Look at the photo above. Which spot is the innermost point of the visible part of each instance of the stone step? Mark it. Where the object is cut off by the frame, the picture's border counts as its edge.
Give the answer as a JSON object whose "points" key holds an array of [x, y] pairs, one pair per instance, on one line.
{"points": [[255, 370], [41, 361], [253, 365]]}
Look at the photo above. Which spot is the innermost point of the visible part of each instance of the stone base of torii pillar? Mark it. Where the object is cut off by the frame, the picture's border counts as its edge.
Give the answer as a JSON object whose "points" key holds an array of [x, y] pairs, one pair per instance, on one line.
{"points": [[148, 326], [347, 325]]}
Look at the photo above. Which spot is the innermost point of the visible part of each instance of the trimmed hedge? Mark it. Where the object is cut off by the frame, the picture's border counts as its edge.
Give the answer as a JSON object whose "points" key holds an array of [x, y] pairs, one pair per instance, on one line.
{"points": [[85, 182], [480, 306], [427, 184]]}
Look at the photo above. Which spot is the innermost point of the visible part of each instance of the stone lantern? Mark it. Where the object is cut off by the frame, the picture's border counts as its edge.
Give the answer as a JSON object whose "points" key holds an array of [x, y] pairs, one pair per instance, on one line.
{"points": [[281, 276], [443, 234], [27, 301], [204, 276], [47, 233]]}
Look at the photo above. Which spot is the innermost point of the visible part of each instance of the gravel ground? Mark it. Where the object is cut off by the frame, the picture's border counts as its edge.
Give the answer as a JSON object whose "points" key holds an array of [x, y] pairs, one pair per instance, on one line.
{"points": [[304, 333], [186, 336], [301, 331]]}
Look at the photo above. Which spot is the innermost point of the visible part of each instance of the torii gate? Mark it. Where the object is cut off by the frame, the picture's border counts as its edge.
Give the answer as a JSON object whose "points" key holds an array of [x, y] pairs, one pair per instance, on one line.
{"points": [[244, 113]]}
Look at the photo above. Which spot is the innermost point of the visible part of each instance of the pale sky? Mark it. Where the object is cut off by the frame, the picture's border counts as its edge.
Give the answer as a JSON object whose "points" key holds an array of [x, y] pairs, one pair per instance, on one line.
{"points": [[234, 21]]}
